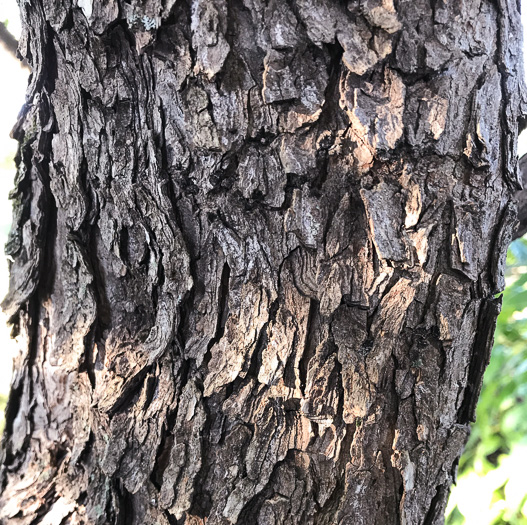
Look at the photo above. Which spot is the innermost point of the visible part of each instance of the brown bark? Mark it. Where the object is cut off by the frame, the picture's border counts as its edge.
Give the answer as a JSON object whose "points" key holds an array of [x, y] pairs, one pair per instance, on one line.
{"points": [[256, 251]]}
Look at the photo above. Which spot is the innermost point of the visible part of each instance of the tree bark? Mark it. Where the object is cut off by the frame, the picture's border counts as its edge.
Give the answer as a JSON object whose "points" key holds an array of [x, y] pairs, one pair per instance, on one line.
{"points": [[256, 253]]}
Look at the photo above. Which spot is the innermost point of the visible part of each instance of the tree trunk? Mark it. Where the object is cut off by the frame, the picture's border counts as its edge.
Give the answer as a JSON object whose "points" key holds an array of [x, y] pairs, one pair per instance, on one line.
{"points": [[256, 250]]}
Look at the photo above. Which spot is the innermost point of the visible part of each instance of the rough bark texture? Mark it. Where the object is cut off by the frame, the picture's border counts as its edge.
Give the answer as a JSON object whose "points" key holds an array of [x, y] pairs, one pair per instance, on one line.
{"points": [[256, 251]]}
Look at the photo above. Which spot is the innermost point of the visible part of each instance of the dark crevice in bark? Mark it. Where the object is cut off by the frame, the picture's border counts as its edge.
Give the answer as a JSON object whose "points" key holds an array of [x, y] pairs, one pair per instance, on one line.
{"points": [[504, 234], [162, 458], [116, 29], [88, 364], [480, 358], [310, 345], [255, 360], [11, 411], [160, 281], [84, 240], [126, 506], [130, 392], [151, 386], [223, 303], [373, 313], [84, 456], [224, 176], [223, 309], [431, 516], [201, 499], [103, 307], [49, 499], [172, 520], [293, 182], [328, 113]]}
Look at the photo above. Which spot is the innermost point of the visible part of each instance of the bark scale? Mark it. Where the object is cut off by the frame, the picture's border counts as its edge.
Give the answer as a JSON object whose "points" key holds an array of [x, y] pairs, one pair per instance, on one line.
{"points": [[256, 251]]}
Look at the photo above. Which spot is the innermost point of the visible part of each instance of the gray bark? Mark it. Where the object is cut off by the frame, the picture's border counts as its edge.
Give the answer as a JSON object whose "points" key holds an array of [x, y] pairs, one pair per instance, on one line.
{"points": [[257, 247]]}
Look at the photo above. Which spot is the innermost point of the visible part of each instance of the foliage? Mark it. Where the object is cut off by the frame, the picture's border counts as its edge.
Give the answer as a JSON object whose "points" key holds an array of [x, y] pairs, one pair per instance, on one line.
{"points": [[491, 488]]}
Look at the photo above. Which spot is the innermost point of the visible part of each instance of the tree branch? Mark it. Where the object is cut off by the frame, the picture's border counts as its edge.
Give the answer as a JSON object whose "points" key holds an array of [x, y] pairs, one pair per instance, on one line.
{"points": [[7, 40], [521, 201], [10, 43]]}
